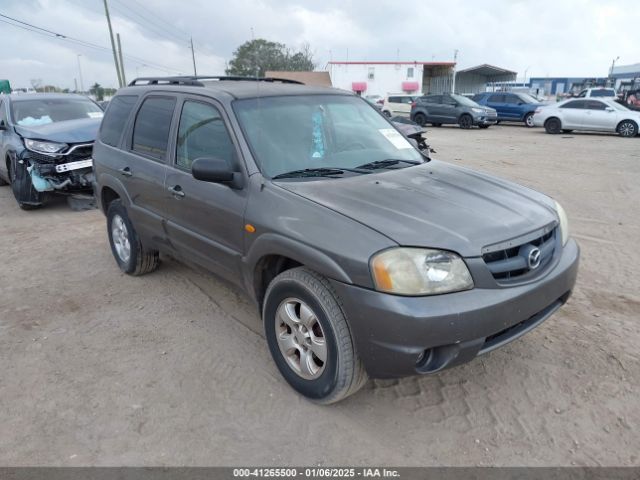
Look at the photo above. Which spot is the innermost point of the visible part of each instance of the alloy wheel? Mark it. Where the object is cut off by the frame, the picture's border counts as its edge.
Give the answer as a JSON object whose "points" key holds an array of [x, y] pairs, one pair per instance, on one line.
{"points": [[627, 129], [300, 338], [120, 236]]}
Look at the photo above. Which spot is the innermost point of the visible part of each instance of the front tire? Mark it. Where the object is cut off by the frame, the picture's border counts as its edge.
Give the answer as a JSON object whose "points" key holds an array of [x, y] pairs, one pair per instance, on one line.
{"points": [[627, 129], [528, 120], [131, 256], [466, 122], [309, 337], [27, 197], [553, 126], [420, 119]]}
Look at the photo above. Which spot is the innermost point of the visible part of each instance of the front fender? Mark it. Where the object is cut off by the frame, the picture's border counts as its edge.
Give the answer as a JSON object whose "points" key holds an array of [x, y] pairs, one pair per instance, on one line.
{"points": [[276, 244]]}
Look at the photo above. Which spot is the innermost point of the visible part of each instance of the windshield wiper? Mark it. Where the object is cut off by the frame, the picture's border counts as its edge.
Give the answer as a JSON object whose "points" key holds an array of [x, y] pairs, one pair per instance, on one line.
{"points": [[318, 172], [386, 163]]}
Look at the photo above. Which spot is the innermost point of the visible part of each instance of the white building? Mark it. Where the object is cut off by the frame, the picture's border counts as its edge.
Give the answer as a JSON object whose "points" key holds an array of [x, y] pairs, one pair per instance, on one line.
{"points": [[382, 78]]}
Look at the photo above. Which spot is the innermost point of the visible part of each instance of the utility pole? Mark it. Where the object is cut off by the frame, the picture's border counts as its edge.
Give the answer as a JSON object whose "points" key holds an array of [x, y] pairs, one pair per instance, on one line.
{"points": [[80, 75], [113, 44], [455, 60], [193, 56], [124, 80]]}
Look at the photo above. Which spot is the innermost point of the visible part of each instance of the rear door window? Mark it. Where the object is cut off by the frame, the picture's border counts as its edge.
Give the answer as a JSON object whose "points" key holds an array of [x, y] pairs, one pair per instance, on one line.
{"points": [[437, 99], [596, 105], [496, 99], [151, 130], [115, 119], [575, 104]]}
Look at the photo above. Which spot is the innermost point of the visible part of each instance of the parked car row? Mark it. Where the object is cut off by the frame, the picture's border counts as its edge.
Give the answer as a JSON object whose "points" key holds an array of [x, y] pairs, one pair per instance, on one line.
{"points": [[314, 204]]}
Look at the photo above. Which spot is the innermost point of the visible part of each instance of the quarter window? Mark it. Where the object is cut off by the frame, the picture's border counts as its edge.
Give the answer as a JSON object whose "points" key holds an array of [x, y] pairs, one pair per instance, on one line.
{"points": [[115, 119], [151, 130], [202, 133]]}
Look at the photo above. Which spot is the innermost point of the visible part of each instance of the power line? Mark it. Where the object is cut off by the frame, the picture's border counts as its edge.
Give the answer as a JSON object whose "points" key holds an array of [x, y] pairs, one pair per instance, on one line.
{"points": [[157, 29], [51, 34]]}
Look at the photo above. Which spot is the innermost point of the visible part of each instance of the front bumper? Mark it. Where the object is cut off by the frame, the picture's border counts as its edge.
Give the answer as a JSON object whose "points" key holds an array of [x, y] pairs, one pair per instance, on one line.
{"points": [[399, 336], [485, 119]]}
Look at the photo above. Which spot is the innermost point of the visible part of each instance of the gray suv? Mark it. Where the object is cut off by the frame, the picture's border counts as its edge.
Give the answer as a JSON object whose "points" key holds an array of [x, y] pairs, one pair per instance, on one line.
{"points": [[452, 109], [365, 258]]}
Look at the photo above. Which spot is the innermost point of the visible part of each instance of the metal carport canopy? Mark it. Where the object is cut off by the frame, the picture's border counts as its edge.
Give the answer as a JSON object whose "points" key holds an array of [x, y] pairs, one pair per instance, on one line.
{"points": [[493, 74]]}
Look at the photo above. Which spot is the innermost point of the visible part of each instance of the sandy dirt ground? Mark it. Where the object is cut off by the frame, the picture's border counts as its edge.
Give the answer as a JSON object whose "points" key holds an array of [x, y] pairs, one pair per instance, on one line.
{"points": [[98, 368]]}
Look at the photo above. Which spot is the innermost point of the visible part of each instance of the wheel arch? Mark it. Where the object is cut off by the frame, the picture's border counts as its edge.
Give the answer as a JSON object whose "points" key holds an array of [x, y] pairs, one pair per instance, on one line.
{"points": [[272, 254], [109, 188]]}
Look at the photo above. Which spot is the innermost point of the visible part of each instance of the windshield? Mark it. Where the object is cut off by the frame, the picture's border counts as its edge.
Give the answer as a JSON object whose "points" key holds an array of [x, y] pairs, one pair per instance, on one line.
{"points": [[617, 106], [319, 131], [527, 98], [462, 100], [42, 111]]}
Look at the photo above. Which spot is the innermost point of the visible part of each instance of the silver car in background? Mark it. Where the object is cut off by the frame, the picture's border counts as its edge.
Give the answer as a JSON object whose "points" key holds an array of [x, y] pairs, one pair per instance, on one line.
{"points": [[600, 115]]}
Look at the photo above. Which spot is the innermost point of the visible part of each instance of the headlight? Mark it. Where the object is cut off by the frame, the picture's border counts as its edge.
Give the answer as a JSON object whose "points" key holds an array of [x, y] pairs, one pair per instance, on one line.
{"points": [[419, 271], [44, 147], [477, 110], [564, 223]]}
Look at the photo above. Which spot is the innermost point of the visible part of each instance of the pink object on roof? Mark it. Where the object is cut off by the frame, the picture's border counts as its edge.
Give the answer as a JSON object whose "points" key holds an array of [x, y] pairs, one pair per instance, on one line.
{"points": [[410, 86], [358, 86]]}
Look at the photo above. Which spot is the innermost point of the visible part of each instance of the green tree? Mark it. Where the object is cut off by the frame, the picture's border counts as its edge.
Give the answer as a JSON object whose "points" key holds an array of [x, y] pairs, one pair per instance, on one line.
{"points": [[97, 90], [257, 56]]}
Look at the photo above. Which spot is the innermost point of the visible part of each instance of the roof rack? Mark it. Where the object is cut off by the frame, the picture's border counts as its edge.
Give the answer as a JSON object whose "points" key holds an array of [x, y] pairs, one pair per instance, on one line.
{"points": [[194, 81]]}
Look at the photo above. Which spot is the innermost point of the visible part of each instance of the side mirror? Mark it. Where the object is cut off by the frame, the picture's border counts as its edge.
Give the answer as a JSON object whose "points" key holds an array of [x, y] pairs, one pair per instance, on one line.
{"points": [[216, 170]]}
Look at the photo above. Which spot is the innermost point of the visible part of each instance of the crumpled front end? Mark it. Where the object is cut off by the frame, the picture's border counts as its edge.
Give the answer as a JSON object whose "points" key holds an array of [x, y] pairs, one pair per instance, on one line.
{"points": [[67, 172]]}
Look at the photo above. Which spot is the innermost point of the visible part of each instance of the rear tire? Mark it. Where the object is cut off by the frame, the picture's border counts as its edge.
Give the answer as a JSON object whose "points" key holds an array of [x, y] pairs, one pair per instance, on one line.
{"points": [[528, 120], [627, 129], [420, 119], [304, 323], [131, 256], [553, 126], [466, 122], [27, 197]]}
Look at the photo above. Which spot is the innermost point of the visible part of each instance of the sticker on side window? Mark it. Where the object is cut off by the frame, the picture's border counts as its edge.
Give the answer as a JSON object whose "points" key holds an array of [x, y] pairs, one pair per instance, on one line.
{"points": [[396, 139]]}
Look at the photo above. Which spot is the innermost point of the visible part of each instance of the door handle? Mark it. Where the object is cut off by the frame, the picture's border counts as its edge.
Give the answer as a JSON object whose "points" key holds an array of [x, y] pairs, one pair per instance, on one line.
{"points": [[176, 191], [126, 171]]}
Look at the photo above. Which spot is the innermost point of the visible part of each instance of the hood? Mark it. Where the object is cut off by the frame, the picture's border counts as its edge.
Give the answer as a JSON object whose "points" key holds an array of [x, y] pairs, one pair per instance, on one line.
{"points": [[83, 130], [434, 205]]}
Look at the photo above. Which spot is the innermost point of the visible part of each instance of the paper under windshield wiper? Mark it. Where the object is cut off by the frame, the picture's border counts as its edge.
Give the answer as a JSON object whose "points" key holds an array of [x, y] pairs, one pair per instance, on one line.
{"points": [[318, 172], [386, 163]]}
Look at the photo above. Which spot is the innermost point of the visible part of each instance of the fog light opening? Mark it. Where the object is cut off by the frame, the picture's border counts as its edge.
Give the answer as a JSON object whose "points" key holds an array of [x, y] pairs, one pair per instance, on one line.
{"points": [[424, 358]]}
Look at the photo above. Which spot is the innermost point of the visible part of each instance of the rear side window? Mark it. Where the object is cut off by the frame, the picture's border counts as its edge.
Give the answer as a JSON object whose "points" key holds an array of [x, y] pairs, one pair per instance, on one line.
{"points": [[433, 99], [115, 119], [151, 130], [394, 100], [596, 105]]}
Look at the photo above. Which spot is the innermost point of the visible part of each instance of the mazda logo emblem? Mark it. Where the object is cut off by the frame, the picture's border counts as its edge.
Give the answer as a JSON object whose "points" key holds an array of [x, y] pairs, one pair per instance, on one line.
{"points": [[533, 259]]}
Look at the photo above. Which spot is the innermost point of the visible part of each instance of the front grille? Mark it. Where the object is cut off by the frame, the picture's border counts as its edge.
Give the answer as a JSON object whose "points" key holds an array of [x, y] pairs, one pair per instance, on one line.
{"points": [[79, 153], [522, 259]]}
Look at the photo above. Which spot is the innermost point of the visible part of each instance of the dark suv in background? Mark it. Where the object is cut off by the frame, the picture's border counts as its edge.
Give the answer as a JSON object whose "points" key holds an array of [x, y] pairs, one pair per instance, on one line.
{"points": [[511, 107], [365, 257], [45, 145], [451, 109]]}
